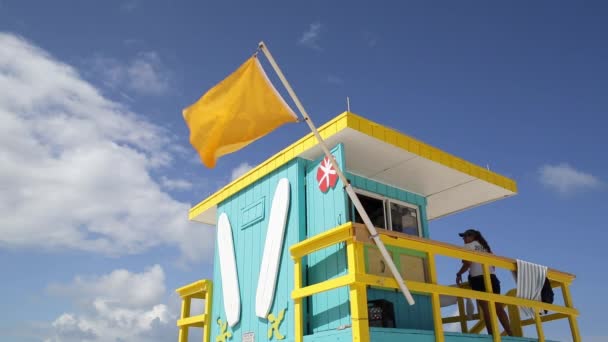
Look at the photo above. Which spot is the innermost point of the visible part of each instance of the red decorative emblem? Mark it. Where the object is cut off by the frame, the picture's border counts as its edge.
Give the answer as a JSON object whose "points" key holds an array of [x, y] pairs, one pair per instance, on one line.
{"points": [[326, 175]]}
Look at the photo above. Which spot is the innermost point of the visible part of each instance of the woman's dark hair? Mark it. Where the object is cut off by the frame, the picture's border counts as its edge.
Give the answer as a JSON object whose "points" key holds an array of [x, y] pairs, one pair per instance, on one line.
{"points": [[483, 242]]}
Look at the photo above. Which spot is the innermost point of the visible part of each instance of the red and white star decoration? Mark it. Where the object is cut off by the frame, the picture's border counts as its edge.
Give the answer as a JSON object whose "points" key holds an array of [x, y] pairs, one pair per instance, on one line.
{"points": [[326, 175]]}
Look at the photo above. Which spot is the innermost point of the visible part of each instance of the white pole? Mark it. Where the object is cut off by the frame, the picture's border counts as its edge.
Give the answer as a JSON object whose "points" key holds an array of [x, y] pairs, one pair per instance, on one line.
{"points": [[349, 189]]}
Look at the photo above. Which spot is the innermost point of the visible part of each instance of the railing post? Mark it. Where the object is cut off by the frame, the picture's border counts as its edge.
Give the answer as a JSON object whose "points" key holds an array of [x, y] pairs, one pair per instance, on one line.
{"points": [[183, 331], [576, 336], [492, 321], [298, 310], [539, 326], [208, 302], [438, 322], [358, 293], [515, 317], [463, 315]]}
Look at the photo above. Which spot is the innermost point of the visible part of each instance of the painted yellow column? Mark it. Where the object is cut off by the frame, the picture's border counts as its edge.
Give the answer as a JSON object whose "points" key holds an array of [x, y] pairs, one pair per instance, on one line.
{"points": [[437, 321], [576, 335], [298, 309], [515, 317], [358, 293], [208, 302], [491, 305], [463, 315], [183, 331], [539, 326]]}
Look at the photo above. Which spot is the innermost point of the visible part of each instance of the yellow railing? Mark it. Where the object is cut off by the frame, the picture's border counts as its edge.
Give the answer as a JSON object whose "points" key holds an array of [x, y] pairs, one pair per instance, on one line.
{"points": [[202, 289], [357, 279]]}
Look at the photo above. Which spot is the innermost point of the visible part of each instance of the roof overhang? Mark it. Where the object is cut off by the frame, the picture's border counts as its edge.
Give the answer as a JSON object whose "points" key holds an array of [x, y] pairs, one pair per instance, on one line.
{"points": [[449, 184]]}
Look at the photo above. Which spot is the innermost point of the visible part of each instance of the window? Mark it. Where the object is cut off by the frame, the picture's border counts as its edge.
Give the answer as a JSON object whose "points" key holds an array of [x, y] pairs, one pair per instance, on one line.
{"points": [[375, 210], [388, 214], [404, 219]]}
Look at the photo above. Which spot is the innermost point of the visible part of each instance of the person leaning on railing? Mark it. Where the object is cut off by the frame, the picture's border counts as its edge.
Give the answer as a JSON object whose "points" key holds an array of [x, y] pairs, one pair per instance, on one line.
{"points": [[473, 240]]}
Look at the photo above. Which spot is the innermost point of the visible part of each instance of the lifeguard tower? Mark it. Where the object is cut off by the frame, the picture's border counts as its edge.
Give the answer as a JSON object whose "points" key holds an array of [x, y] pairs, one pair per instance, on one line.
{"points": [[293, 261]]}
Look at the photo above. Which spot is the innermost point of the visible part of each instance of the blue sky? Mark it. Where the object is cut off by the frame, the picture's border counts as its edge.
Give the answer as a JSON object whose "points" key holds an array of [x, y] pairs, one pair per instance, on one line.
{"points": [[97, 173]]}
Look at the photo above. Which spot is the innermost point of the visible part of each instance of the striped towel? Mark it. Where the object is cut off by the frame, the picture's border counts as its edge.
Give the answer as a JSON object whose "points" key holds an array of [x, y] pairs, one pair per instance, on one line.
{"points": [[530, 281]]}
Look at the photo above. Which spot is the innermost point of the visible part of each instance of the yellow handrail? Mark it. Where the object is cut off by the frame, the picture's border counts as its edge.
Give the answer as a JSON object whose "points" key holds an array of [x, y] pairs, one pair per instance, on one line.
{"points": [[357, 279], [202, 289]]}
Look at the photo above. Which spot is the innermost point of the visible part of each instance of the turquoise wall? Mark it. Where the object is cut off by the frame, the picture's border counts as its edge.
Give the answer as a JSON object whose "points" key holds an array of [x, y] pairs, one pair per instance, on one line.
{"points": [[401, 335], [248, 212], [419, 316], [397, 335], [328, 310]]}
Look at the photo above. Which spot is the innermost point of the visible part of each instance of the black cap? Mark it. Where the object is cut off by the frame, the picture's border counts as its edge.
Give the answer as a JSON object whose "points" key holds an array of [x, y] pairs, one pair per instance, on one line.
{"points": [[469, 232]]}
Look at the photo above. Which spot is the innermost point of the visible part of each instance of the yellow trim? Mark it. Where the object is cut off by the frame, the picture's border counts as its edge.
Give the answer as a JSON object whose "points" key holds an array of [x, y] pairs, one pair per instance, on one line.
{"points": [[365, 126], [193, 321], [322, 287], [576, 335], [323, 240], [202, 289], [491, 304], [539, 327], [358, 313], [357, 279], [298, 308], [462, 318], [436, 304]]}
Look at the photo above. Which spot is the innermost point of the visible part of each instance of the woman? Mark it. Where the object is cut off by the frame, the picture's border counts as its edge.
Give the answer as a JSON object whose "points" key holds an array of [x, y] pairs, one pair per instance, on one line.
{"points": [[473, 240]]}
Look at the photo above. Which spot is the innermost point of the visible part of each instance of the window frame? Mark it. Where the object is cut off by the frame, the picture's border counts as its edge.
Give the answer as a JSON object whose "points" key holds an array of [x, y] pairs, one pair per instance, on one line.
{"points": [[386, 202]]}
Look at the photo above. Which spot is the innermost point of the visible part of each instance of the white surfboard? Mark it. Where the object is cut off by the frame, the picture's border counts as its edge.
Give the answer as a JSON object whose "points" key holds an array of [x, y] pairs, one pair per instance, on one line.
{"points": [[271, 258], [228, 271]]}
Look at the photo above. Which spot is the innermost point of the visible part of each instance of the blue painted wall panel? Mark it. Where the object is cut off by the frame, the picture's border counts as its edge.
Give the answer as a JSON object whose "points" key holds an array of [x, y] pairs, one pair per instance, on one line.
{"points": [[324, 211], [249, 235]]}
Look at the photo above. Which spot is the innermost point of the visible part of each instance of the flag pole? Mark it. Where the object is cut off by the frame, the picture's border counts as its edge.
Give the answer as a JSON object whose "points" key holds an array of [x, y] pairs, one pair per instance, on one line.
{"points": [[349, 189]]}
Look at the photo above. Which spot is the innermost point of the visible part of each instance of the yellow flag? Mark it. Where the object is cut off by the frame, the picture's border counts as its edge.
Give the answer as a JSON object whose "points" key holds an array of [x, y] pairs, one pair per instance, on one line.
{"points": [[242, 108]]}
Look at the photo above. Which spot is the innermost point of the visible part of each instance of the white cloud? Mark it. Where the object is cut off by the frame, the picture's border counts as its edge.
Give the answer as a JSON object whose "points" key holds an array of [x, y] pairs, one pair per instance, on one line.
{"points": [[563, 178], [240, 170], [176, 184], [310, 38], [332, 79], [132, 290], [119, 306], [144, 74], [76, 167]]}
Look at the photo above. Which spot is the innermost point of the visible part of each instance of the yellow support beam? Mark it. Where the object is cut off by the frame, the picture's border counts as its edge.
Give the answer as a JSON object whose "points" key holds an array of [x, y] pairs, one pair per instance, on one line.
{"points": [[195, 288], [419, 287], [545, 318], [358, 312], [576, 335], [491, 305], [462, 316], [438, 323], [202, 289], [327, 285], [298, 309], [193, 321], [539, 327], [323, 240], [208, 306], [183, 330], [459, 318], [515, 316], [448, 250]]}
